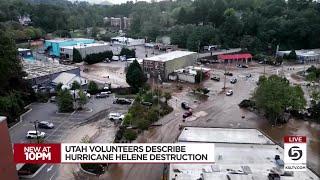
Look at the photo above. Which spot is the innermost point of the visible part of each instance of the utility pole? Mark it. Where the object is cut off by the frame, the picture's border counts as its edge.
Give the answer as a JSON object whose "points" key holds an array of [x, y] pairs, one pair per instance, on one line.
{"points": [[225, 77], [35, 127], [264, 66]]}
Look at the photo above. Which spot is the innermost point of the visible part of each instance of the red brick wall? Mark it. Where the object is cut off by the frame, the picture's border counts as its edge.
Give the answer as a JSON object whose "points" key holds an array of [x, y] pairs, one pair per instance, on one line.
{"points": [[7, 165]]}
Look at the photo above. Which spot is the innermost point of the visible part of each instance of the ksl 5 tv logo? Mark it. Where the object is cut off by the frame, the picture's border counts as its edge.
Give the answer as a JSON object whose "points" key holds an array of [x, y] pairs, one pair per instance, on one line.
{"points": [[37, 153], [295, 153]]}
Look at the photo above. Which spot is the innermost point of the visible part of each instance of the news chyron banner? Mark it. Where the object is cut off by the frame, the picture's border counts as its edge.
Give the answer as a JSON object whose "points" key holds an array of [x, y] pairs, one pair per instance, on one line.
{"points": [[114, 153]]}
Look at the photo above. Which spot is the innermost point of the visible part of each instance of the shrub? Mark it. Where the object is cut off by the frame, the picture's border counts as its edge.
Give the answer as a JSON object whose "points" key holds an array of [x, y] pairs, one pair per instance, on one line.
{"points": [[143, 124], [130, 134], [152, 115], [65, 101], [98, 57], [93, 87], [128, 53], [76, 56], [246, 103]]}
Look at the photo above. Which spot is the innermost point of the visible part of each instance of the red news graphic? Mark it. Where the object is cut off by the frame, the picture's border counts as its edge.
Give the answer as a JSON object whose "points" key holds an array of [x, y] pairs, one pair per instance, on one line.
{"points": [[37, 153], [295, 139]]}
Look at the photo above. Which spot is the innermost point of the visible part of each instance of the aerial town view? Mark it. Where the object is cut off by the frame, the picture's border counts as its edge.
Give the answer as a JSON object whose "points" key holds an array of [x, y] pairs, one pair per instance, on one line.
{"points": [[240, 75]]}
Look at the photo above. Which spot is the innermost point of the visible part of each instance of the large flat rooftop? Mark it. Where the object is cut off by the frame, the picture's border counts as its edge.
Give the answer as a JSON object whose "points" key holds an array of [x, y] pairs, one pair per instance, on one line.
{"points": [[59, 40], [251, 160], [85, 46], [38, 69], [169, 56], [223, 135]]}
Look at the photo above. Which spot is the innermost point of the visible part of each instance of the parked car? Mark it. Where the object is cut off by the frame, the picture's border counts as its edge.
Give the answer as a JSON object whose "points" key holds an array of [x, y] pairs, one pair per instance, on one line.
{"points": [[123, 58], [107, 92], [116, 116], [185, 106], [215, 78], [187, 114], [242, 66], [122, 101], [145, 103], [233, 80], [35, 134], [102, 95], [248, 76], [229, 92], [88, 95], [115, 58], [45, 125], [228, 74]]}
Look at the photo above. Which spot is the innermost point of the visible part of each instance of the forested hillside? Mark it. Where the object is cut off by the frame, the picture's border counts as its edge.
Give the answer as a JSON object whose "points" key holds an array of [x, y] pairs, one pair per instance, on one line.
{"points": [[258, 25]]}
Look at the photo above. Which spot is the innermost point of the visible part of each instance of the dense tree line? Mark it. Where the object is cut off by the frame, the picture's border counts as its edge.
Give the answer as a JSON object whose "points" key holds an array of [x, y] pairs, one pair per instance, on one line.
{"points": [[255, 25], [15, 93], [98, 57]]}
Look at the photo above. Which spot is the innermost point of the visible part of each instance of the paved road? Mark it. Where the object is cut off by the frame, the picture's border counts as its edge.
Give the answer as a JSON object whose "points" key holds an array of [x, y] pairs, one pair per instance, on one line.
{"points": [[220, 111], [63, 125]]}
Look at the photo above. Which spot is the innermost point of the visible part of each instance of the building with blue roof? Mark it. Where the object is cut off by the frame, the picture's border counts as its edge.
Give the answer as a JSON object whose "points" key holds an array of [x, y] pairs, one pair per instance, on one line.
{"points": [[54, 45]]}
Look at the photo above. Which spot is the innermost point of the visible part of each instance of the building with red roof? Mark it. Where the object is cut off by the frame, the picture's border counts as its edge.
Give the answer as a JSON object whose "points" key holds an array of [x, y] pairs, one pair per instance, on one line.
{"points": [[245, 57]]}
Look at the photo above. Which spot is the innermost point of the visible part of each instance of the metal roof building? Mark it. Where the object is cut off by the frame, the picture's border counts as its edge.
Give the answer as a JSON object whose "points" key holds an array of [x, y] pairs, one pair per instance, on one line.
{"points": [[240, 154], [54, 45], [164, 64]]}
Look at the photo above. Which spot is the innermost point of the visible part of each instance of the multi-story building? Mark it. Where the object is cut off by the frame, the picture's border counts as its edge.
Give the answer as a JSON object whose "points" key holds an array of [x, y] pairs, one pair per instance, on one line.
{"points": [[162, 65], [126, 22], [115, 22]]}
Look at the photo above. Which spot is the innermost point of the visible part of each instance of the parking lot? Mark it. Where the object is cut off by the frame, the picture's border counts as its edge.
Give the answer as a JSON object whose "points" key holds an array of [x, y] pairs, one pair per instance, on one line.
{"points": [[63, 122]]}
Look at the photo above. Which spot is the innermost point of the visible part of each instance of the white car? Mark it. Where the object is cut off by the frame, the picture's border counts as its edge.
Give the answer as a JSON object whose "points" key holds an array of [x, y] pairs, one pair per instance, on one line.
{"points": [[116, 116], [33, 134], [229, 92], [88, 95]]}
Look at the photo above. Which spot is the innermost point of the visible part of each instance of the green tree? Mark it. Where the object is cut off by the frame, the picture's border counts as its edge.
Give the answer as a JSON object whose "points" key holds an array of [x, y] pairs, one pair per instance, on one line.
{"points": [[76, 56], [143, 124], [10, 67], [59, 86], [200, 76], [128, 53], [167, 96], [292, 55], [75, 85], [152, 115], [135, 76], [274, 95], [83, 100], [130, 134], [65, 101], [93, 87], [128, 119]]}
